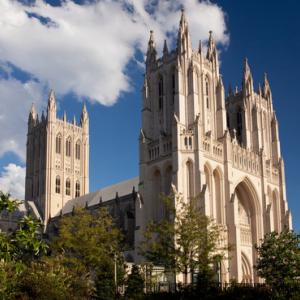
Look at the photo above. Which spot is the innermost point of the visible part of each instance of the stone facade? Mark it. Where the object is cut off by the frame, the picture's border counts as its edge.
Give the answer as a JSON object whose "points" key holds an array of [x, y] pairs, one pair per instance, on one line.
{"points": [[57, 162], [225, 152]]}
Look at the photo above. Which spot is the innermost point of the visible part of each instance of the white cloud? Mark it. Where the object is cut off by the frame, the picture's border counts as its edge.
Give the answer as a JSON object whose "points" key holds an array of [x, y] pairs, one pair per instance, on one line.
{"points": [[84, 49], [12, 180], [16, 98]]}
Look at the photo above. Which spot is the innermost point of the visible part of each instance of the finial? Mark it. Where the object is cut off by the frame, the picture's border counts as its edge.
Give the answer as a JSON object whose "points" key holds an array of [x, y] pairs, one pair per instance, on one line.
{"points": [[43, 117], [151, 51], [220, 80], [182, 18], [33, 110], [236, 89], [65, 116], [259, 89], [200, 47], [230, 91], [74, 120], [84, 114], [165, 50], [211, 49]]}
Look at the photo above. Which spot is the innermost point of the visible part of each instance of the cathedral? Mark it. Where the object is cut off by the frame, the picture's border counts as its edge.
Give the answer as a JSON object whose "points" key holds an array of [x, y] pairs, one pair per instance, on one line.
{"points": [[223, 150]]}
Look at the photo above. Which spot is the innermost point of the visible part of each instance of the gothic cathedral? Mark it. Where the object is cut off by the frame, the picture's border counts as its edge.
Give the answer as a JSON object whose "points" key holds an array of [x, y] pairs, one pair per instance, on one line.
{"points": [[226, 152]]}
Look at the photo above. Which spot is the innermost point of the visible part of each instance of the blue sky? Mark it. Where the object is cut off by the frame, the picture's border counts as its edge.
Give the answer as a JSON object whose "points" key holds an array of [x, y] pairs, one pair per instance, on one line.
{"points": [[263, 31]]}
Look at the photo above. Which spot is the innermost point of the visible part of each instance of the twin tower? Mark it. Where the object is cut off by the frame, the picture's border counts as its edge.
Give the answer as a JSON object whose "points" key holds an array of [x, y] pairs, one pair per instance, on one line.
{"points": [[225, 152]]}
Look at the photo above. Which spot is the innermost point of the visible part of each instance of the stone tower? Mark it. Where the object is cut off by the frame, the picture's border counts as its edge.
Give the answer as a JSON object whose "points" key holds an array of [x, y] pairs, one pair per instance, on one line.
{"points": [[225, 152], [57, 163]]}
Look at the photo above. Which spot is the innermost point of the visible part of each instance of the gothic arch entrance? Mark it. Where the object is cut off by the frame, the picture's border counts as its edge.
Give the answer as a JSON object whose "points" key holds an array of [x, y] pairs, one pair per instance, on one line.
{"points": [[246, 270], [248, 229]]}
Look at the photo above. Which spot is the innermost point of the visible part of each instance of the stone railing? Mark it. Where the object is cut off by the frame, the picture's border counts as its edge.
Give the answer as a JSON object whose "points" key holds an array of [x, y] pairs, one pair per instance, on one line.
{"points": [[187, 140], [160, 148], [246, 160], [213, 149]]}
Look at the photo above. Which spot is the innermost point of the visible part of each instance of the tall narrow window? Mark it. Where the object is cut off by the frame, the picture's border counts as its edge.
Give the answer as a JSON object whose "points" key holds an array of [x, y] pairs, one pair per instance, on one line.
{"points": [[68, 147], [160, 93], [77, 150], [239, 121], [57, 185], [58, 144], [77, 189], [68, 187], [207, 93], [173, 88]]}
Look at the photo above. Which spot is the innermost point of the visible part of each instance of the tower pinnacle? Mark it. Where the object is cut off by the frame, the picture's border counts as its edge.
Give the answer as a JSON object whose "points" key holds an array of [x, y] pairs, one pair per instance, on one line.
{"points": [[184, 45], [151, 52], [84, 115]]}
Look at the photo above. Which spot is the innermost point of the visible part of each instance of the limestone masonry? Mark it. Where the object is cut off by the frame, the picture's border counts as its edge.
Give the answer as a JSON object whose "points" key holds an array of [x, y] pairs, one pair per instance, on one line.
{"points": [[225, 152]]}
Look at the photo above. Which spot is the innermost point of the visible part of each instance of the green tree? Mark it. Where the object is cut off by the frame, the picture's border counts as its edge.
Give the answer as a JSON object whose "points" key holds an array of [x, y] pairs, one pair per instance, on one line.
{"points": [[279, 263], [90, 243], [48, 278], [184, 241], [135, 284], [7, 204], [26, 242]]}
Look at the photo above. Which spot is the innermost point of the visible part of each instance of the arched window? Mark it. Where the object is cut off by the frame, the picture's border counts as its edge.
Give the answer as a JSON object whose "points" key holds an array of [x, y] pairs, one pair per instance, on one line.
{"points": [[207, 92], [185, 141], [57, 185], [189, 179], [77, 150], [190, 81], [160, 93], [77, 189], [68, 187], [58, 144], [68, 147], [239, 121]]}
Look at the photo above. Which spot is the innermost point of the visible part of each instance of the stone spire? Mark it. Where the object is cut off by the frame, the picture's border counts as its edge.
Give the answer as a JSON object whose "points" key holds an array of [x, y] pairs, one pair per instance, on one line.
{"points": [[151, 52], [247, 82], [33, 116], [84, 115], [51, 108], [212, 53], [247, 71], [211, 47], [165, 50], [184, 45], [200, 47], [259, 90], [51, 101], [266, 88]]}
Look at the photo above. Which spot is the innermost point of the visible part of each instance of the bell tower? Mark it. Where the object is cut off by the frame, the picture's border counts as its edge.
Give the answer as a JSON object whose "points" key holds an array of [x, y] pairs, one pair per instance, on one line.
{"points": [[57, 161]]}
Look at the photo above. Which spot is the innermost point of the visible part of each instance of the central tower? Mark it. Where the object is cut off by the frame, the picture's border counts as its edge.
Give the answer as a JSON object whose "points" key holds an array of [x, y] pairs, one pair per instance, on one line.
{"points": [[183, 101], [57, 163]]}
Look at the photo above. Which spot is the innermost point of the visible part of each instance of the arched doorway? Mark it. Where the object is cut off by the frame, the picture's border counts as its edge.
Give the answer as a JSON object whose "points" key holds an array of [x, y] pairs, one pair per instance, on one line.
{"points": [[248, 226], [246, 270]]}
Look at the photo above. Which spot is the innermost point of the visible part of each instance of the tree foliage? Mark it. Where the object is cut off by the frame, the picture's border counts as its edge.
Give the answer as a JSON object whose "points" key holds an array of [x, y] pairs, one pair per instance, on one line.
{"points": [[26, 241], [279, 263], [135, 284], [90, 243], [184, 241]]}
